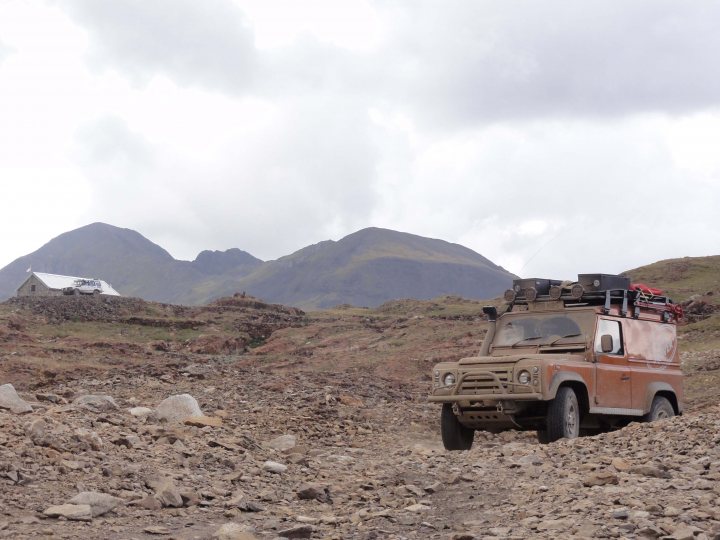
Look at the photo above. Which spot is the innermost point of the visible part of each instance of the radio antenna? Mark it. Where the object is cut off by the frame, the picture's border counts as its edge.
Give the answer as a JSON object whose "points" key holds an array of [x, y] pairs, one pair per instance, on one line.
{"points": [[552, 239]]}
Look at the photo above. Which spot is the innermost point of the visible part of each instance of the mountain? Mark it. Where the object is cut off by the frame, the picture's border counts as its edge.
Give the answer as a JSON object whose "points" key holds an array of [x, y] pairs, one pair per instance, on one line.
{"points": [[372, 266], [131, 263], [222, 262], [366, 268]]}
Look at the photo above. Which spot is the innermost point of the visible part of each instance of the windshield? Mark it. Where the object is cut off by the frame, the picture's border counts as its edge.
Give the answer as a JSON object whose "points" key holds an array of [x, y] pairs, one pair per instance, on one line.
{"points": [[520, 329]]}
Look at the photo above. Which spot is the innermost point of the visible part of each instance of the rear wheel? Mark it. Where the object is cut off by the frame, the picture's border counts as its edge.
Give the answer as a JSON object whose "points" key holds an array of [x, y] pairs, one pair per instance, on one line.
{"points": [[563, 416], [96, 293], [661, 408], [455, 436]]}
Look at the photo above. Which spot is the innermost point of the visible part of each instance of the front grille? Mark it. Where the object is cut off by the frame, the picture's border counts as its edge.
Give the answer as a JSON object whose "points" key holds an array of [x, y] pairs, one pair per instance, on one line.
{"points": [[484, 383]]}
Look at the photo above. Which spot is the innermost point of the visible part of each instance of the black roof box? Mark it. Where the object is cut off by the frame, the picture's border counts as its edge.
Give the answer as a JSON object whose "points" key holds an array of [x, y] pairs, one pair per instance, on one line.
{"points": [[542, 286], [603, 282]]}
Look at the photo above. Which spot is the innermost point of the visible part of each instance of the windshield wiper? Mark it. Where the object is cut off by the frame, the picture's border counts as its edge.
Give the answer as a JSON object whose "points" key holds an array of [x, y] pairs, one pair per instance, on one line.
{"points": [[554, 341], [525, 339]]}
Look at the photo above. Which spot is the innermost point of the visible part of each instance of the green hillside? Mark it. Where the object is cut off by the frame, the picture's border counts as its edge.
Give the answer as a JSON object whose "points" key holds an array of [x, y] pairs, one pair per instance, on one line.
{"points": [[370, 267], [682, 278]]}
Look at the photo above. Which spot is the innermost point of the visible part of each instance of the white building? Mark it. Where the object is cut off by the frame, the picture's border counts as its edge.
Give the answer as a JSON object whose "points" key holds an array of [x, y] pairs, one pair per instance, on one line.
{"points": [[41, 284]]}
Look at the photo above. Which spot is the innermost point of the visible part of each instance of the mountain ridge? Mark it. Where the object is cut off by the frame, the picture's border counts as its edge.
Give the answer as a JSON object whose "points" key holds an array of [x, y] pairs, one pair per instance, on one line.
{"points": [[365, 268]]}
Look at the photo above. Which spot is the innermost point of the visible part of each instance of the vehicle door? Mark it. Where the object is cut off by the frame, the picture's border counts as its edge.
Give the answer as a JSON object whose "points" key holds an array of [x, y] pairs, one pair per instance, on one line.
{"points": [[612, 373], [652, 352]]}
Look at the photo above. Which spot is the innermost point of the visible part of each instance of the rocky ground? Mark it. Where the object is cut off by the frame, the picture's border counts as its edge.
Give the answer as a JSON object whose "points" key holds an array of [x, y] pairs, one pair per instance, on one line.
{"points": [[273, 440]]}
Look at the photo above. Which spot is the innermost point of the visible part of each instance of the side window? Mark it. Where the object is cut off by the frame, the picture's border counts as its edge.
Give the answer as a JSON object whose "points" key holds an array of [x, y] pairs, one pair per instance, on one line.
{"points": [[612, 328]]}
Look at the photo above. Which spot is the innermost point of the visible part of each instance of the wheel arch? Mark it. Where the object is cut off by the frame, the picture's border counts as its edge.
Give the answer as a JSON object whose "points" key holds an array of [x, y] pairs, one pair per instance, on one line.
{"points": [[661, 389], [574, 381]]}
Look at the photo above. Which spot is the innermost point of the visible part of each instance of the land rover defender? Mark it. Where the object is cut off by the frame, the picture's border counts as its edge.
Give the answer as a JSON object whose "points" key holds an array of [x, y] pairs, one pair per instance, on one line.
{"points": [[84, 286], [565, 357]]}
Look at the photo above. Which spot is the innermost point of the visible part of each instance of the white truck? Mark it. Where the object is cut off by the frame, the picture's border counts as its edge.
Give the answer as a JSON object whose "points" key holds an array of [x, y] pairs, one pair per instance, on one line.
{"points": [[84, 286]]}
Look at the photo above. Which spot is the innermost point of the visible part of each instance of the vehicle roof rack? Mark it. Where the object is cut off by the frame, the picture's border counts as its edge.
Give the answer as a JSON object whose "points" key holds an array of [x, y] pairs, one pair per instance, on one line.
{"points": [[594, 289]]}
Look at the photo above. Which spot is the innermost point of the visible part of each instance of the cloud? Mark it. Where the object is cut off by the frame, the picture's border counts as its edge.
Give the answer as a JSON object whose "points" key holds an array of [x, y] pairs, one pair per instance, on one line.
{"points": [[4, 51], [457, 64], [551, 138], [301, 177], [603, 196], [467, 62], [110, 142], [205, 43]]}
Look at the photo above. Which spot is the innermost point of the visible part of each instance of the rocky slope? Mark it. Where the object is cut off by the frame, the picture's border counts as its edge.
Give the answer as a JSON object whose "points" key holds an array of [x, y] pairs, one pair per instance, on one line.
{"points": [[333, 456], [312, 426]]}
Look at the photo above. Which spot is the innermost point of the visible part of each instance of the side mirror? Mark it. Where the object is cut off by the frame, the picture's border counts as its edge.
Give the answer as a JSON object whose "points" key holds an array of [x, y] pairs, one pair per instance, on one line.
{"points": [[606, 343]]}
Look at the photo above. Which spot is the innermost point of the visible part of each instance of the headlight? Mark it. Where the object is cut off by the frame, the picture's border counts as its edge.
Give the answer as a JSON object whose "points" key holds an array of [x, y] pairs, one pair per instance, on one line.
{"points": [[449, 379], [524, 377]]}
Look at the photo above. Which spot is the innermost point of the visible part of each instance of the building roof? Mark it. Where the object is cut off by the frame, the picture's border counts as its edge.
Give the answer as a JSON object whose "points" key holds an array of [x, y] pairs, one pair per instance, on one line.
{"points": [[55, 281]]}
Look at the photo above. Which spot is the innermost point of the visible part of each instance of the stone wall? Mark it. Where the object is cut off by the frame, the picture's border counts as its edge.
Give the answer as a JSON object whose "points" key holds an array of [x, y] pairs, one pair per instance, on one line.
{"points": [[34, 287]]}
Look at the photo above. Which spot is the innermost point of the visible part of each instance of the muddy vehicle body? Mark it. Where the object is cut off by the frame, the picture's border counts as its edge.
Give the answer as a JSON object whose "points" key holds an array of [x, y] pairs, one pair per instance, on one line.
{"points": [[565, 358]]}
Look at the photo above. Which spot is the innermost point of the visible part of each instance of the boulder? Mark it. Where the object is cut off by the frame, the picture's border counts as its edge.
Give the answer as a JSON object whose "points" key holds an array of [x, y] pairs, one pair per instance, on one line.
{"points": [[178, 408], [284, 443], [149, 503], [100, 503], [233, 531], [140, 412], [38, 431], [88, 439], [274, 467], [74, 512], [96, 403], [417, 508], [600, 478], [299, 531], [316, 492], [167, 493], [203, 421], [9, 399]]}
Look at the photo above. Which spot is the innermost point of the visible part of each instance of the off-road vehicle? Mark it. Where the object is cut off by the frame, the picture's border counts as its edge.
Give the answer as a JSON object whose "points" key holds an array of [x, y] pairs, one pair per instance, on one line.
{"points": [[84, 286], [565, 357]]}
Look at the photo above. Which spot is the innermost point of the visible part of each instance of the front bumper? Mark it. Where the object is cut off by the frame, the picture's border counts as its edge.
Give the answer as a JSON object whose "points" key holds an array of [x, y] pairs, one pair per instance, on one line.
{"points": [[477, 385], [472, 398]]}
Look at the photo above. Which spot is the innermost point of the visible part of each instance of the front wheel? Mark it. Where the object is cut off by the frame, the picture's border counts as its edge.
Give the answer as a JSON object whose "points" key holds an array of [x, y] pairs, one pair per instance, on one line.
{"points": [[563, 417], [455, 436], [661, 408], [76, 292]]}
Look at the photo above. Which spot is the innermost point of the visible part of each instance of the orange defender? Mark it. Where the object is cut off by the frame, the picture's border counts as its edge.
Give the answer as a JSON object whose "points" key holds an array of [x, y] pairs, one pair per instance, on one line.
{"points": [[565, 357]]}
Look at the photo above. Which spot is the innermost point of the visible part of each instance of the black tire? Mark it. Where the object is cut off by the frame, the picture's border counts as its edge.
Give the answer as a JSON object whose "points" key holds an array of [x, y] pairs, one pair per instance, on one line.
{"points": [[76, 292], [542, 436], [455, 436], [563, 416], [96, 293], [661, 408]]}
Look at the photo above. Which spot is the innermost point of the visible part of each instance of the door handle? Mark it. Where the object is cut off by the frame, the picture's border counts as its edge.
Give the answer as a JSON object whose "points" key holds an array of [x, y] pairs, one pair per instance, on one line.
{"points": [[625, 378]]}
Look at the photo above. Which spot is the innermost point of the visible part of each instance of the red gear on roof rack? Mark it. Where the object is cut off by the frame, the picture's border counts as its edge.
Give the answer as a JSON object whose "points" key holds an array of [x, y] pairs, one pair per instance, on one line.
{"points": [[651, 291]]}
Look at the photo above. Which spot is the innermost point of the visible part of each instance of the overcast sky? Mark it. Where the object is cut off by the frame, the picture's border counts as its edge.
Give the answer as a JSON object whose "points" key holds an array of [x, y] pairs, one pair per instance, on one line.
{"points": [[555, 137]]}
